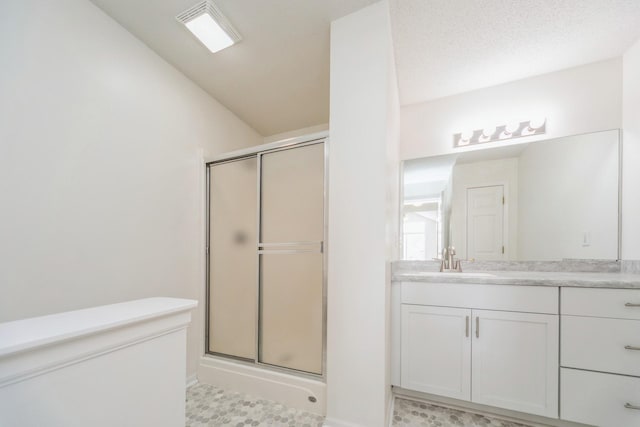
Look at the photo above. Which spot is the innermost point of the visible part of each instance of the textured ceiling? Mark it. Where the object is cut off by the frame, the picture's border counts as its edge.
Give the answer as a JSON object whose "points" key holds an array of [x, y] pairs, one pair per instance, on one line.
{"points": [[445, 47], [276, 79]]}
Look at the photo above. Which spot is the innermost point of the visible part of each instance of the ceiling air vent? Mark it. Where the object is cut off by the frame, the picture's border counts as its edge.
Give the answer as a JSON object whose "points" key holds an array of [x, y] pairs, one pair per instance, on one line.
{"points": [[209, 25]]}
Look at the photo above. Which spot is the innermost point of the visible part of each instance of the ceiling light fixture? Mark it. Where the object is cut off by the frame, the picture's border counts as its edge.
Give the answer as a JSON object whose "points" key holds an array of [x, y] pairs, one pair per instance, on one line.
{"points": [[210, 26], [509, 131]]}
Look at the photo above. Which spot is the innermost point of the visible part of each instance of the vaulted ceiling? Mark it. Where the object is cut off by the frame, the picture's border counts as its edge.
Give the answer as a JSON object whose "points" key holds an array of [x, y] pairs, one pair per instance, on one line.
{"points": [[277, 78]]}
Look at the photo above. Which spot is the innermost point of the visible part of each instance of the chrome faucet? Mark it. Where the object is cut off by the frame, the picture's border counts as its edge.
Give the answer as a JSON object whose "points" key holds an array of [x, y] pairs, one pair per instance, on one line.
{"points": [[449, 263]]}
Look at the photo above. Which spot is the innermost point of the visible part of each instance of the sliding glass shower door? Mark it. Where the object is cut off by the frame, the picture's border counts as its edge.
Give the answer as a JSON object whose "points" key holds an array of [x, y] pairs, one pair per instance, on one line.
{"points": [[266, 258], [291, 260], [233, 265]]}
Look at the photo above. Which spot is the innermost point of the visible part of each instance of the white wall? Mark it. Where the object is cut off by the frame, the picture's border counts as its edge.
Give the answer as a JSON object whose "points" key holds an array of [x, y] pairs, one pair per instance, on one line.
{"points": [[574, 101], [101, 180], [363, 206], [569, 187], [392, 202], [631, 153]]}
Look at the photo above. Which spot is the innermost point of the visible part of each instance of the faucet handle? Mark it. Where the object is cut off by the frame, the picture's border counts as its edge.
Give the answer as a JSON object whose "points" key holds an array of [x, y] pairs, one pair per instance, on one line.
{"points": [[452, 250]]}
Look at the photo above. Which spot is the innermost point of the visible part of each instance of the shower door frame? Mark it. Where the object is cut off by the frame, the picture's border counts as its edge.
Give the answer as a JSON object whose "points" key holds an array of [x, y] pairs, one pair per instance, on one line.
{"points": [[257, 152]]}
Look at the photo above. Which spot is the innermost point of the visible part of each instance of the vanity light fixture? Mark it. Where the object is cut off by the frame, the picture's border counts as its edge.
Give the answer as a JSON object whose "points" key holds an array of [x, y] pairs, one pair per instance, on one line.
{"points": [[499, 133], [210, 26]]}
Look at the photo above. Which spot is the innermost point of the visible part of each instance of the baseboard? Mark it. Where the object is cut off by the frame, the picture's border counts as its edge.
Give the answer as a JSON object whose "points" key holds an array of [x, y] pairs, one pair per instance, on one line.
{"points": [[294, 391], [502, 414], [192, 380], [392, 403], [332, 422]]}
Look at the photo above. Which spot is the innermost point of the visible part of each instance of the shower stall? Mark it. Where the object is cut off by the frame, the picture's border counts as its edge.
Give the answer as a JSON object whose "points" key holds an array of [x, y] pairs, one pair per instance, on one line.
{"points": [[266, 257]]}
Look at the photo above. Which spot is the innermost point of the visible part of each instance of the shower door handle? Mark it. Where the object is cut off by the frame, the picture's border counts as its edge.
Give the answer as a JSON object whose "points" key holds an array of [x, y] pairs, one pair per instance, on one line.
{"points": [[291, 247]]}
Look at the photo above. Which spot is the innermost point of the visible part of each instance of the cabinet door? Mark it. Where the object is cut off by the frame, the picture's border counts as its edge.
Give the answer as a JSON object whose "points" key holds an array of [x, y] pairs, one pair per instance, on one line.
{"points": [[515, 361], [436, 350]]}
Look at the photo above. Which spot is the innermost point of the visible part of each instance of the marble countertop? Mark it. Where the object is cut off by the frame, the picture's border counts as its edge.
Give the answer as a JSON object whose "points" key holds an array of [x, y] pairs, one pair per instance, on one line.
{"points": [[525, 278]]}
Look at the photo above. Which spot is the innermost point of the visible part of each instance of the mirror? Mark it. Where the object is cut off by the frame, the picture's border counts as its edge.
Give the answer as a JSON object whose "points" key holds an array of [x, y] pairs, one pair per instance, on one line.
{"points": [[537, 201]]}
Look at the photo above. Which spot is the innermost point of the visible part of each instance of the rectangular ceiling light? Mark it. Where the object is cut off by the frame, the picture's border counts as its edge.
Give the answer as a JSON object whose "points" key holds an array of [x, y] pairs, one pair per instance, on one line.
{"points": [[210, 26]]}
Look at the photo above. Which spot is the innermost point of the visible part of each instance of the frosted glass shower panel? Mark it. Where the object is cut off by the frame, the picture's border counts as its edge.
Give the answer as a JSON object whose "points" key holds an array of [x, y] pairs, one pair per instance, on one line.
{"points": [[291, 258], [293, 195], [291, 311], [233, 261]]}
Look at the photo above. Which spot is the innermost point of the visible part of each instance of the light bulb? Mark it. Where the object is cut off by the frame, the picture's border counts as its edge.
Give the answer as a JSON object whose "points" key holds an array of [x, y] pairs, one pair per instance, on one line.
{"points": [[537, 122], [488, 132], [466, 135], [511, 127]]}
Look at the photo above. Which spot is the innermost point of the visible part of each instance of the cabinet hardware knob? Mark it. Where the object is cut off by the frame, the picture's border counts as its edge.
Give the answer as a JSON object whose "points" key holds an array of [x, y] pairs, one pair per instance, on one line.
{"points": [[630, 406], [630, 304], [631, 347]]}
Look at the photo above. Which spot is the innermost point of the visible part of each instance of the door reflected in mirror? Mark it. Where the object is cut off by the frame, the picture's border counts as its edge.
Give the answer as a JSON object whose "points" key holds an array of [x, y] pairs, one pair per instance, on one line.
{"points": [[537, 201]]}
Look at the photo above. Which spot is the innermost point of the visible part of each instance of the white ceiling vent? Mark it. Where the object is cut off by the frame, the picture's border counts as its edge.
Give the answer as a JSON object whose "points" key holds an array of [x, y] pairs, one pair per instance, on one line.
{"points": [[210, 26]]}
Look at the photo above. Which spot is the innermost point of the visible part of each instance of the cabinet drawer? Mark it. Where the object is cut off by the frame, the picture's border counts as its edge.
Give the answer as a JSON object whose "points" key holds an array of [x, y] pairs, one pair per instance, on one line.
{"points": [[599, 344], [530, 299], [614, 303], [599, 399]]}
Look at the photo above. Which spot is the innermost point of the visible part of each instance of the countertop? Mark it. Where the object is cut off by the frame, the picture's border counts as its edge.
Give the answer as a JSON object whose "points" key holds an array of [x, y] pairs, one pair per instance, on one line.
{"points": [[525, 278]]}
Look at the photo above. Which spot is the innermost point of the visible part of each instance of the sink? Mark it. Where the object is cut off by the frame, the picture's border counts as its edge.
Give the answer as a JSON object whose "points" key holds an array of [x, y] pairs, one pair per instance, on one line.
{"points": [[442, 274]]}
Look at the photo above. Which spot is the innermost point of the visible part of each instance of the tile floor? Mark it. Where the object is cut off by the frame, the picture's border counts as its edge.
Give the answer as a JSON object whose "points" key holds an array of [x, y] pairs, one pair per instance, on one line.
{"points": [[409, 413], [211, 406]]}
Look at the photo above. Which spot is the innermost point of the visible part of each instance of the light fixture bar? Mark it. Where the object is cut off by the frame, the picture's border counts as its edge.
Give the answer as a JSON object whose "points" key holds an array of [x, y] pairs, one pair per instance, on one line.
{"points": [[500, 133], [210, 26]]}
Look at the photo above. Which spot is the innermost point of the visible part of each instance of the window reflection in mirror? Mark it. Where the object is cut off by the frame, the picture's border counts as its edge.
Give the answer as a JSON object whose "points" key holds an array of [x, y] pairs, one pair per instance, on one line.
{"points": [[426, 207], [422, 237], [545, 200]]}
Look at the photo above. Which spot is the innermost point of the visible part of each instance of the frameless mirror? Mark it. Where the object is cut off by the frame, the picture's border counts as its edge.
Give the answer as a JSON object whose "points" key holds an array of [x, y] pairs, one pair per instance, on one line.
{"points": [[539, 201]]}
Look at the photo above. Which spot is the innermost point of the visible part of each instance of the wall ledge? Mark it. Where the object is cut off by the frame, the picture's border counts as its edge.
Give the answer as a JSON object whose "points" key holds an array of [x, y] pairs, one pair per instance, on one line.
{"points": [[38, 345]]}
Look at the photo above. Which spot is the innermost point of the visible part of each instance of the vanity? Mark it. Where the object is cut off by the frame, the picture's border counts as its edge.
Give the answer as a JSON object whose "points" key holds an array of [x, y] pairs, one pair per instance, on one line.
{"points": [[543, 322], [552, 344], [480, 356]]}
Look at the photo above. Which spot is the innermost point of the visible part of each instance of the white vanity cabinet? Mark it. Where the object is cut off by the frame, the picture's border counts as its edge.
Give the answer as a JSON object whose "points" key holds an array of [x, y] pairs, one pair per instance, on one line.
{"points": [[436, 350], [490, 344], [515, 361], [600, 374]]}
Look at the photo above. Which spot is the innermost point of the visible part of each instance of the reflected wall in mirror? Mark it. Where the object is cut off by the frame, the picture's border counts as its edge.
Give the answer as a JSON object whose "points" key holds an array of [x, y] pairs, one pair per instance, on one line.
{"points": [[537, 201]]}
